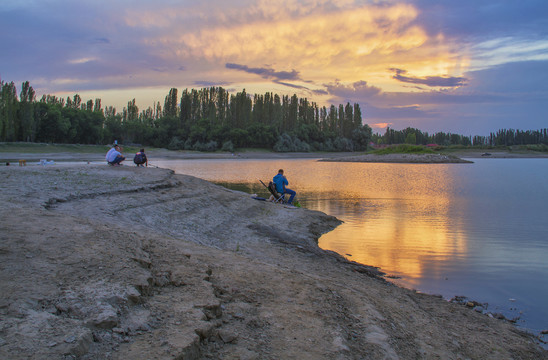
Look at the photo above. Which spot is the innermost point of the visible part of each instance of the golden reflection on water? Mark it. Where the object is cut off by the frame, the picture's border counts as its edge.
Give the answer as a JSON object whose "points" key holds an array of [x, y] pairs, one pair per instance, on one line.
{"points": [[403, 218], [485, 236], [397, 217]]}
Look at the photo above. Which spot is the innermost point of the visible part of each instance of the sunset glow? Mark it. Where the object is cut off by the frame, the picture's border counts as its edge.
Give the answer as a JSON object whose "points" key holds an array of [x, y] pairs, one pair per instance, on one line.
{"points": [[409, 225], [441, 67]]}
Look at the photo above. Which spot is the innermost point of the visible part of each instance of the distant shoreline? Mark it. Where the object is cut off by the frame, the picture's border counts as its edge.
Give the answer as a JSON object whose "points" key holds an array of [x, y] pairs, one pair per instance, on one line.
{"points": [[444, 157], [499, 154], [402, 158]]}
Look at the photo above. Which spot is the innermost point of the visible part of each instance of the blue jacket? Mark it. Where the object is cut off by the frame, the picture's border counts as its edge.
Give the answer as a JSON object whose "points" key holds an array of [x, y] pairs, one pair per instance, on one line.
{"points": [[280, 182]]}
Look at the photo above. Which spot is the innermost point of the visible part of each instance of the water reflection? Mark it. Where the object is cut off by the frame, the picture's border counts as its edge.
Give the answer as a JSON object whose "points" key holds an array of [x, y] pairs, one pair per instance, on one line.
{"points": [[398, 217], [402, 218], [461, 229]]}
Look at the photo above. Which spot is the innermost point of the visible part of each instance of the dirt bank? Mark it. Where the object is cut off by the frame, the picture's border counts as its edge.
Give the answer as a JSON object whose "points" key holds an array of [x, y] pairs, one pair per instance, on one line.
{"points": [[101, 262], [456, 156], [163, 154]]}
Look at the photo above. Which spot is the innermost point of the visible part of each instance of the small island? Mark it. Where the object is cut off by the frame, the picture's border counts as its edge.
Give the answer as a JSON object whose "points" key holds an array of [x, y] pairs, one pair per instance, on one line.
{"points": [[402, 158], [403, 153]]}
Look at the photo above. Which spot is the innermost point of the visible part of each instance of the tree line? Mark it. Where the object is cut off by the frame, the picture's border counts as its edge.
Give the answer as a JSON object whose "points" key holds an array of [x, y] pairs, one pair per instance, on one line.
{"points": [[204, 119], [209, 119], [503, 137]]}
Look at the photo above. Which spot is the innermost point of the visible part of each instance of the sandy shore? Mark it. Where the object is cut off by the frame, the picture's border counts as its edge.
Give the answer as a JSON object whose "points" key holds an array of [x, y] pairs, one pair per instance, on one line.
{"points": [[162, 154], [460, 156], [100, 262]]}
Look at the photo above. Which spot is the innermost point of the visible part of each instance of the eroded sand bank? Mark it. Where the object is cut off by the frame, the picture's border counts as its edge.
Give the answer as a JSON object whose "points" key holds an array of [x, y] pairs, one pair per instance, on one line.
{"points": [[101, 262]]}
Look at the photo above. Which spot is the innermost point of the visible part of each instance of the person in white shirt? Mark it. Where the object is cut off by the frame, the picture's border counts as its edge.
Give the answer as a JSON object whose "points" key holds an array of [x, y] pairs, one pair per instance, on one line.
{"points": [[114, 156]]}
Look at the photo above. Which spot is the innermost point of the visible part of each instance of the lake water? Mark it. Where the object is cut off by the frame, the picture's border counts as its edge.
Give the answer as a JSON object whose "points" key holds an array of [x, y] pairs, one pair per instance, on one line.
{"points": [[476, 230]]}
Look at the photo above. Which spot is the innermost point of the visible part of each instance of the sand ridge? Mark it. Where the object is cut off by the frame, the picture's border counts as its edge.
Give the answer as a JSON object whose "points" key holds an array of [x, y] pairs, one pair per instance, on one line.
{"points": [[102, 262]]}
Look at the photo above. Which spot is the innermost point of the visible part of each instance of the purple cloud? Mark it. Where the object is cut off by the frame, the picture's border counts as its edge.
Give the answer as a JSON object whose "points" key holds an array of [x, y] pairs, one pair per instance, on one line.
{"points": [[205, 83], [102, 40], [266, 73], [320, 92], [301, 87], [294, 86], [433, 81], [487, 19], [357, 90]]}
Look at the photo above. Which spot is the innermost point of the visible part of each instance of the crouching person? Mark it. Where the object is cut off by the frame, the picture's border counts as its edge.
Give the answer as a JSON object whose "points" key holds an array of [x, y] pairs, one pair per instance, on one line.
{"points": [[114, 156], [140, 158]]}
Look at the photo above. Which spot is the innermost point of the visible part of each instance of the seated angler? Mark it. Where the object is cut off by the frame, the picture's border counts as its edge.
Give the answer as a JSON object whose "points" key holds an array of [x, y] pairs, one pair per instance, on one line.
{"points": [[281, 182]]}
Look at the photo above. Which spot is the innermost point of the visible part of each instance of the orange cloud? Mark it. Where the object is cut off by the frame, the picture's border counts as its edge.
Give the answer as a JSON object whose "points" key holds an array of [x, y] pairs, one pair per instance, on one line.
{"points": [[333, 42], [344, 44], [381, 125]]}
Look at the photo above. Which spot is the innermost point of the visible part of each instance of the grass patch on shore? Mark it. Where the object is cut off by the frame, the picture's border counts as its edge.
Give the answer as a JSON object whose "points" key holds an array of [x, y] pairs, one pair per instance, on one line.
{"points": [[520, 149], [37, 148], [403, 149], [543, 148], [44, 148]]}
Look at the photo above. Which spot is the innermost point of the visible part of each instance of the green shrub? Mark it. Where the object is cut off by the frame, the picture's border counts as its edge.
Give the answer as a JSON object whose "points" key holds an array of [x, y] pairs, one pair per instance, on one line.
{"points": [[211, 146], [537, 147], [288, 143], [228, 146], [343, 144], [176, 144]]}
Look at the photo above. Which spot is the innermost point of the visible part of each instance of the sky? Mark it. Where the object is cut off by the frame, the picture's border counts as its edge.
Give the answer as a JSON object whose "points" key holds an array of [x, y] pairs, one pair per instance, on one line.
{"points": [[469, 67]]}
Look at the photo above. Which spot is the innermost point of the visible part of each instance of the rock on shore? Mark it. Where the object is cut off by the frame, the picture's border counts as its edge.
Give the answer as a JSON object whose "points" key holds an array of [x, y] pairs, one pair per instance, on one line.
{"points": [[98, 262]]}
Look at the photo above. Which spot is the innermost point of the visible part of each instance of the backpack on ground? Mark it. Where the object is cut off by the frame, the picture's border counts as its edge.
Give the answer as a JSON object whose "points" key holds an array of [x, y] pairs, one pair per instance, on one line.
{"points": [[272, 188]]}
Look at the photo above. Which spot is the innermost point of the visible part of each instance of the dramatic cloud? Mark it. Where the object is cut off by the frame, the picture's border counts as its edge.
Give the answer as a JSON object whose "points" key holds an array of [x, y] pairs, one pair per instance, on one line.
{"points": [[210, 83], [320, 92], [447, 65], [266, 73], [320, 40], [294, 86], [433, 81], [356, 91]]}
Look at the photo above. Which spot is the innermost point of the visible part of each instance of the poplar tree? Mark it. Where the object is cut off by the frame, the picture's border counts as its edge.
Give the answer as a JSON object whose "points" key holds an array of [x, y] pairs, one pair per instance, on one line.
{"points": [[8, 112], [349, 124], [341, 122], [27, 125], [357, 116], [132, 111], [97, 106], [170, 103]]}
